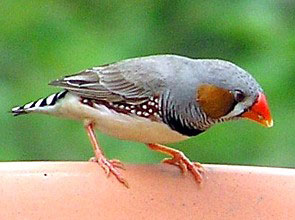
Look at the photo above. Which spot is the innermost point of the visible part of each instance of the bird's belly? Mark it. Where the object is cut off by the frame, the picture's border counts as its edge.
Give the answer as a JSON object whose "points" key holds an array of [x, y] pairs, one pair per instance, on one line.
{"points": [[135, 128], [122, 126]]}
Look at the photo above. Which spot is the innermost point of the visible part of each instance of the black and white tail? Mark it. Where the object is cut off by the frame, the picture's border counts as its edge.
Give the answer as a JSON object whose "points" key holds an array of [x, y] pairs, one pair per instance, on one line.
{"points": [[41, 105]]}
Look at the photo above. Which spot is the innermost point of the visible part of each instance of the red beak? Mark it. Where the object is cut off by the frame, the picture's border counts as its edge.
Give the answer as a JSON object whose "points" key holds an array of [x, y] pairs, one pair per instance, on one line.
{"points": [[259, 112]]}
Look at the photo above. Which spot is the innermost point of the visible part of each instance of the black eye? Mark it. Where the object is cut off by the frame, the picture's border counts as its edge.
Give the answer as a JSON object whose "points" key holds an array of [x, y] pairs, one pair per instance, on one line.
{"points": [[239, 95]]}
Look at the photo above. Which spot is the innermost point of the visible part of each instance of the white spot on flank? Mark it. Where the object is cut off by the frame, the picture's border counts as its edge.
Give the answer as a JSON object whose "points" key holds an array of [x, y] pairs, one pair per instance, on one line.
{"points": [[121, 107], [132, 111], [146, 114], [150, 110], [156, 100], [85, 101], [127, 108], [138, 113], [152, 104], [144, 107]]}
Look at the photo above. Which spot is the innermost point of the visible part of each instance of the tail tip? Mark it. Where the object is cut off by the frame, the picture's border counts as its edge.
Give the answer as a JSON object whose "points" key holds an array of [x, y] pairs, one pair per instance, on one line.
{"points": [[38, 105], [19, 110]]}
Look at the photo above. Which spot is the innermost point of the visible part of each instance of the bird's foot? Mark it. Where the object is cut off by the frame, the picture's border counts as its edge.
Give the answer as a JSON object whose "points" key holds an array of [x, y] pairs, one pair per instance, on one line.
{"points": [[185, 165], [180, 160], [111, 166]]}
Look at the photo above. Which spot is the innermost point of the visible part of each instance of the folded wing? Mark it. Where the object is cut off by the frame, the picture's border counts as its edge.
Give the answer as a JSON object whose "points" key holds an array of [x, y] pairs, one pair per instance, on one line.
{"points": [[101, 83]]}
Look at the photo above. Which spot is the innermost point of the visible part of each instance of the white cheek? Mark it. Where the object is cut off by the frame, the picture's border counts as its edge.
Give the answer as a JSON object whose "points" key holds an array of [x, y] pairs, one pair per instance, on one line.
{"points": [[239, 108]]}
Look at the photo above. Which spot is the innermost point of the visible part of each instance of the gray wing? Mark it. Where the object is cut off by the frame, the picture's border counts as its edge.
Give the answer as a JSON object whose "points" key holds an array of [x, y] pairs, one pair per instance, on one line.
{"points": [[129, 80], [105, 83]]}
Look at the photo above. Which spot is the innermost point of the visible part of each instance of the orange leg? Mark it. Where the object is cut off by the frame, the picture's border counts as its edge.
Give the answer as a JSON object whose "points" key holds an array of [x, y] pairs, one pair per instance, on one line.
{"points": [[109, 166], [180, 160]]}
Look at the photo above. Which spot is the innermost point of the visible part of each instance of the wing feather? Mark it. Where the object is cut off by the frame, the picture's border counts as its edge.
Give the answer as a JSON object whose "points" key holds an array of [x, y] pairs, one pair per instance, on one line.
{"points": [[103, 83]]}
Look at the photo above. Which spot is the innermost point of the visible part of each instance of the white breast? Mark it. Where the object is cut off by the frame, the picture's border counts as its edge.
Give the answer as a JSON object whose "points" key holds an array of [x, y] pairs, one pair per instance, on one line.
{"points": [[122, 126]]}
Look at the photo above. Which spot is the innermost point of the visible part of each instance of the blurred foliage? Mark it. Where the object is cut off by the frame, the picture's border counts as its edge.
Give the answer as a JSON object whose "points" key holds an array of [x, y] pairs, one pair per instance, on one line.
{"points": [[43, 40]]}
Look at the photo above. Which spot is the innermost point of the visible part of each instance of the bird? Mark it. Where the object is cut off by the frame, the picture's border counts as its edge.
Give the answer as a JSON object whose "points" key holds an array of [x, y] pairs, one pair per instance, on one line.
{"points": [[155, 100]]}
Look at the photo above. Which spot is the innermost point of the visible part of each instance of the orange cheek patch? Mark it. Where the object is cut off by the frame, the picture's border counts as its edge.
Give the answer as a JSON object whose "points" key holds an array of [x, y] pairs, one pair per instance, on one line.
{"points": [[214, 101]]}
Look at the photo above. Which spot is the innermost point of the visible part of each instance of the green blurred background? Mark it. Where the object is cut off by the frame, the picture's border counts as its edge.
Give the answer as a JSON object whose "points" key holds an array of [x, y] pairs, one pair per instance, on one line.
{"points": [[43, 40]]}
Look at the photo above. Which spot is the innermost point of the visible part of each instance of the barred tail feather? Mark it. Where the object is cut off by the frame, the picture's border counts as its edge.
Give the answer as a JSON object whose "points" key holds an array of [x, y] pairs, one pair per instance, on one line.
{"points": [[38, 104]]}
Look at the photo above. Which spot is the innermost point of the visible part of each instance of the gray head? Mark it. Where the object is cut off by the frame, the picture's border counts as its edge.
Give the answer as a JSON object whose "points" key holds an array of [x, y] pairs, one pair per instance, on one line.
{"points": [[217, 91], [233, 89]]}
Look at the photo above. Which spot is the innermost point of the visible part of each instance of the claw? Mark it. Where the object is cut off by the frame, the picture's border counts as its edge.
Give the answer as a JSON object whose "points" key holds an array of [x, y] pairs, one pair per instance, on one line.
{"points": [[201, 169], [118, 164], [110, 166], [179, 164], [180, 160]]}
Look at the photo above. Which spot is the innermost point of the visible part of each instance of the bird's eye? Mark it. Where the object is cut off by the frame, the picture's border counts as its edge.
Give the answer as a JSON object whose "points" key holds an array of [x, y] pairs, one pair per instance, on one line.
{"points": [[239, 95]]}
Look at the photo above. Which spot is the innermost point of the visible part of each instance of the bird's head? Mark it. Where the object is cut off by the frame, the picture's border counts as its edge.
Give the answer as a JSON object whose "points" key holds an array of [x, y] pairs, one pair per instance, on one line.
{"points": [[229, 92]]}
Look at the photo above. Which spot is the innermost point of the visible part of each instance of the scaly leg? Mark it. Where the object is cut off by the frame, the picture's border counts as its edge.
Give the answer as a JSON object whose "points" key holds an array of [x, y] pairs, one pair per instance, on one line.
{"points": [[180, 160], [109, 166]]}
